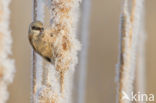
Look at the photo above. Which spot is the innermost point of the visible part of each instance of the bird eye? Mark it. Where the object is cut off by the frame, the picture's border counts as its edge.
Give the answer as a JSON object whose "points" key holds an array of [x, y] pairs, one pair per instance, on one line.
{"points": [[34, 27]]}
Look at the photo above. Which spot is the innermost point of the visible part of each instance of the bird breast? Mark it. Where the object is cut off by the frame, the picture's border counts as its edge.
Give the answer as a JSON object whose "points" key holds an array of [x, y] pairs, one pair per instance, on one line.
{"points": [[42, 47]]}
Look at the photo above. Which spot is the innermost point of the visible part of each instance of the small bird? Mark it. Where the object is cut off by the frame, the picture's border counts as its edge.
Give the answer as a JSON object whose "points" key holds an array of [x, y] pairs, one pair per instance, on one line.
{"points": [[51, 46], [38, 41]]}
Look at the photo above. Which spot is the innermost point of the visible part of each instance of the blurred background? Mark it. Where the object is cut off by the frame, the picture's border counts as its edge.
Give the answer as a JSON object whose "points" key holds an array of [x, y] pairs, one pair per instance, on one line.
{"points": [[103, 50]]}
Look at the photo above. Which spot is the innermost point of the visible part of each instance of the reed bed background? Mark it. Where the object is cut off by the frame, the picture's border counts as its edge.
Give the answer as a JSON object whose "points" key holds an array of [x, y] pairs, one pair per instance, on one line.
{"points": [[102, 50]]}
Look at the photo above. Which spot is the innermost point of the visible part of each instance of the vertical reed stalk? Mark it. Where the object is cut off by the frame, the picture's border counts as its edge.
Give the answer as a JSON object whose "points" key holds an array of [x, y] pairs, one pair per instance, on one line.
{"points": [[130, 26], [38, 14], [140, 67], [7, 68], [140, 70], [85, 17], [57, 78], [34, 57], [54, 85]]}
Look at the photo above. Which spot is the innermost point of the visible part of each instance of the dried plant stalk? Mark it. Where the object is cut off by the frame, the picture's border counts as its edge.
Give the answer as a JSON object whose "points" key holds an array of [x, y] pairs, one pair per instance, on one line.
{"points": [[34, 58], [84, 35], [140, 58], [57, 85], [130, 26], [7, 68], [64, 43], [38, 14], [49, 92], [140, 81]]}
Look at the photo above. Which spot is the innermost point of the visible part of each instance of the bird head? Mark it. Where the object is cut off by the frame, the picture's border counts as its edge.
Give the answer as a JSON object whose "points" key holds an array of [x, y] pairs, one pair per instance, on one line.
{"points": [[36, 27]]}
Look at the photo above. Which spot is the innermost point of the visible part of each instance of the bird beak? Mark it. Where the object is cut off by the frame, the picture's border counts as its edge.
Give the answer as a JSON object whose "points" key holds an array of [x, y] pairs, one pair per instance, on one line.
{"points": [[41, 31]]}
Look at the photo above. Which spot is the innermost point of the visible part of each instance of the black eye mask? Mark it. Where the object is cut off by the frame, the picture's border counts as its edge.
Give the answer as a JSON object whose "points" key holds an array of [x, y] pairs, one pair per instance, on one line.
{"points": [[37, 28]]}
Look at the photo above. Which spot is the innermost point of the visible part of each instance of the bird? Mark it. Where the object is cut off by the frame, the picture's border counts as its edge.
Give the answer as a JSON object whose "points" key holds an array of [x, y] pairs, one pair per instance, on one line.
{"points": [[37, 39]]}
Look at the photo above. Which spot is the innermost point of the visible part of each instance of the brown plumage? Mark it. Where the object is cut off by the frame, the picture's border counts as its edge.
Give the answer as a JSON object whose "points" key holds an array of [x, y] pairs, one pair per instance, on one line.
{"points": [[37, 39]]}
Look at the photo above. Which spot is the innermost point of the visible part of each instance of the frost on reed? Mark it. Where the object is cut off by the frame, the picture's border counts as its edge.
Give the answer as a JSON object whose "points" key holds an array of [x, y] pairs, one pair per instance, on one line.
{"points": [[55, 83], [129, 36], [7, 68], [38, 14], [65, 45], [140, 58], [82, 66], [63, 27]]}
